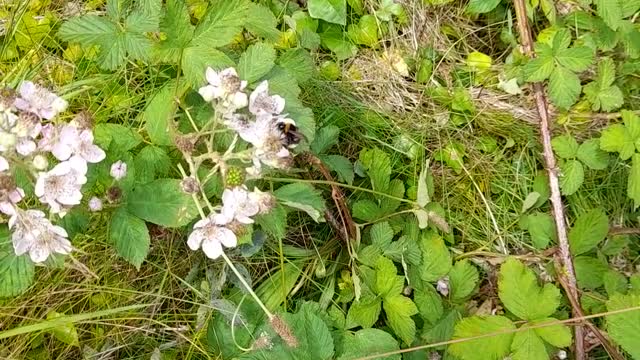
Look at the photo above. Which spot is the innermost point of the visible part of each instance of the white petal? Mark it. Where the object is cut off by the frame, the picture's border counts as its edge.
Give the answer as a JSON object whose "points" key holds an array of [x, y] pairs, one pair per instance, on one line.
{"points": [[207, 92], [7, 208], [25, 146], [4, 164], [201, 223], [195, 239], [212, 248], [59, 230], [62, 246], [228, 72], [212, 76], [244, 219], [23, 244], [39, 188], [59, 104], [38, 254], [227, 238], [93, 154], [79, 164], [279, 103], [27, 89], [240, 100]]}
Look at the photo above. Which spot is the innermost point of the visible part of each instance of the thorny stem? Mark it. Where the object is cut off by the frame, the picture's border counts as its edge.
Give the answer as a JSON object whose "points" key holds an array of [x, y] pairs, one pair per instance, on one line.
{"points": [[567, 273], [247, 286]]}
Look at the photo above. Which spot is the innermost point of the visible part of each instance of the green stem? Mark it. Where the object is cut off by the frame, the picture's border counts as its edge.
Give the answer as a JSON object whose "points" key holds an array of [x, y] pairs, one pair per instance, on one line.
{"points": [[247, 286]]}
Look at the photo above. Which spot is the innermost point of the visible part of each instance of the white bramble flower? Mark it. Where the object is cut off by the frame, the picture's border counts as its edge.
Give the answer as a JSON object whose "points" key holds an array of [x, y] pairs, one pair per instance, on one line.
{"points": [[40, 101], [211, 235], [10, 194], [118, 170], [95, 204], [265, 200], [60, 187], [260, 102], [68, 140], [32, 232], [225, 86], [238, 205]]}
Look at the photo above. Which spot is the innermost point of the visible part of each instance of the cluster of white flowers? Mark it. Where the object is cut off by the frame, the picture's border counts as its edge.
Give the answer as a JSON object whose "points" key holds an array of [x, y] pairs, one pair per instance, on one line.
{"points": [[28, 139], [261, 126], [258, 119], [238, 206]]}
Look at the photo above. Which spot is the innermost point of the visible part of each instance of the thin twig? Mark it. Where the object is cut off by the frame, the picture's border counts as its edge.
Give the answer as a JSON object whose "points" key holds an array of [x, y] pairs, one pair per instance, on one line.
{"points": [[624, 231], [569, 282]]}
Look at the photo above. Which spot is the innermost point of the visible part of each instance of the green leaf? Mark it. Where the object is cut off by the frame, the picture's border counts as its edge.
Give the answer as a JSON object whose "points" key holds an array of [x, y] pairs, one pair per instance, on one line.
{"points": [[162, 202], [519, 291], [399, 310], [633, 186], [481, 6], [151, 161], [530, 201], [65, 332], [632, 124], [381, 234], [493, 347], [630, 7], [588, 231], [341, 165], [463, 279], [145, 17], [16, 272], [591, 155], [624, 328], [601, 93], [88, 30], [576, 59], [368, 342], [610, 11], [571, 176], [365, 32], [314, 338], [326, 137], [565, 146], [256, 61], [396, 189], [540, 68], [429, 303], [528, 346], [333, 11], [176, 24], [614, 283], [338, 42], [274, 222], [123, 137], [366, 210], [303, 197], [159, 112], [262, 23], [541, 228], [223, 21], [589, 272], [196, 60], [364, 312], [130, 237], [564, 87], [298, 63], [436, 260], [377, 165], [387, 282], [616, 138], [606, 72], [558, 335]]}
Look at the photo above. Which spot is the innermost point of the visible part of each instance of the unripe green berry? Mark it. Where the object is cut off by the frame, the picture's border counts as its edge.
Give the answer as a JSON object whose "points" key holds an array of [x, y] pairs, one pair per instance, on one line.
{"points": [[234, 177]]}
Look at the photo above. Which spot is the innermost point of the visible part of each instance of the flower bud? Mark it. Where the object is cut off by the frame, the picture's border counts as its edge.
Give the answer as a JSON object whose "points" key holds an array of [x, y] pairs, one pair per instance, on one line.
{"points": [[7, 140], [95, 204], [114, 194], [40, 162], [189, 185], [118, 170]]}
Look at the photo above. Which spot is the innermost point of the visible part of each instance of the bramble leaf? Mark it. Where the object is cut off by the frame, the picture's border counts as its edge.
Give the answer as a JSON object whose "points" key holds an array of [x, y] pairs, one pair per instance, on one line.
{"points": [[564, 87], [565, 146], [558, 335], [576, 59], [610, 11], [624, 328], [528, 346], [463, 279], [303, 197], [367, 342], [130, 237], [588, 231], [481, 6], [633, 186], [617, 138], [572, 176], [519, 291], [436, 260], [378, 167], [16, 272], [162, 202], [223, 21], [333, 11], [256, 61], [541, 228], [493, 347], [592, 155], [399, 310]]}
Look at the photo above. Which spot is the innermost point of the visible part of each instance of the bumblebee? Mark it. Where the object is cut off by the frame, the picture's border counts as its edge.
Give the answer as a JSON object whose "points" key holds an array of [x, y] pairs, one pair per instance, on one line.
{"points": [[290, 136]]}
